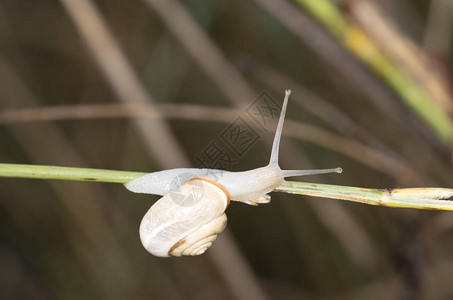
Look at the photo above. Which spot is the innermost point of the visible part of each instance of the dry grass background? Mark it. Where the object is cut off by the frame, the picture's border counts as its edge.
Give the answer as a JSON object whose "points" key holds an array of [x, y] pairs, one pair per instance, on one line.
{"points": [[101, 60]]}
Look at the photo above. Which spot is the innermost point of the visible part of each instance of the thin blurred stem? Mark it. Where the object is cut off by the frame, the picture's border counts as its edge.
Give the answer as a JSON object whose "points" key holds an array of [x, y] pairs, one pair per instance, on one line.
{"points": [[204, 51], [107, 53], [358, 43], [373, 158], [401, 49], [439, 28], [418, 198]]}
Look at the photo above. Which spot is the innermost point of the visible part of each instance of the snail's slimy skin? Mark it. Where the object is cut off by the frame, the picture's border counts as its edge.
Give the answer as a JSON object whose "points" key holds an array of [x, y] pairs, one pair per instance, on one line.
{"points": [[243, 186]]}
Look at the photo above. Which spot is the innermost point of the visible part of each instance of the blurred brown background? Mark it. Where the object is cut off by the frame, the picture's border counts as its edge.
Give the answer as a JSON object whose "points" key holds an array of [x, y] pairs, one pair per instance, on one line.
{"points": [[103, 62]]}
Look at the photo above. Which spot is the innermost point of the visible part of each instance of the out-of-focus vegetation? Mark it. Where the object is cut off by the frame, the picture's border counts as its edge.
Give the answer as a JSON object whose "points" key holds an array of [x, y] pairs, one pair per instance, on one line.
{"points": [[110, 84]]}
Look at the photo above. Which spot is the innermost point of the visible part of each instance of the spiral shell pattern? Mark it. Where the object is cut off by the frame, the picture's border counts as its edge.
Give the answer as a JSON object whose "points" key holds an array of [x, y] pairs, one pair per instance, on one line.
{"points": [[186, 221], [200, 240]]}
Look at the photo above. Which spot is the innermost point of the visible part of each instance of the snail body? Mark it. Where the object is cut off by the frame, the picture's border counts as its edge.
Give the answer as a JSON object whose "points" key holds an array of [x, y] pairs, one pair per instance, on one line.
{"points": [[172, 229], [243, 186]]}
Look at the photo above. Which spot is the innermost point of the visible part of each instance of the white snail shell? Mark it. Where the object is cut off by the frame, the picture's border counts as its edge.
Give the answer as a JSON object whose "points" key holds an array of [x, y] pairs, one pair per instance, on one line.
{"points": [[187, 220]]}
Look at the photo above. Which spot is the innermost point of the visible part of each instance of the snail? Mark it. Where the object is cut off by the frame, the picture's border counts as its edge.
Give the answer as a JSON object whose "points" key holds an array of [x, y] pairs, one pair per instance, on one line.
{"points": [[190, 215]]}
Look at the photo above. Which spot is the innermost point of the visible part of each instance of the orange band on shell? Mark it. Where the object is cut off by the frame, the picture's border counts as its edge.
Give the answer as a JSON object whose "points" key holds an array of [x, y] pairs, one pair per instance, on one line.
{"points": [[216, 184]]}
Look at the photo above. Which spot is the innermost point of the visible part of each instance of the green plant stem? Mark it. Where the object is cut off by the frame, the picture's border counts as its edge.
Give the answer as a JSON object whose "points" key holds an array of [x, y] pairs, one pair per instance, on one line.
{"points": [[66, 173], [419, 198]]}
